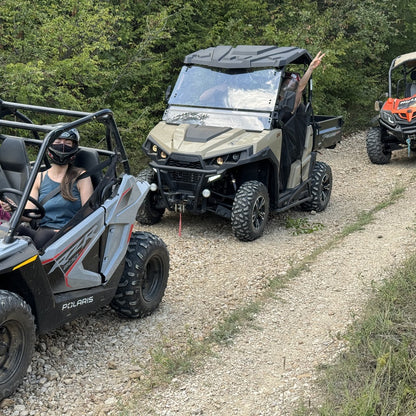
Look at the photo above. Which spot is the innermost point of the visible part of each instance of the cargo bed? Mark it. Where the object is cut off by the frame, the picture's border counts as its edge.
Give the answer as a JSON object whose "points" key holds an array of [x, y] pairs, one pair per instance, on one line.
{"points": [[327, 131]]}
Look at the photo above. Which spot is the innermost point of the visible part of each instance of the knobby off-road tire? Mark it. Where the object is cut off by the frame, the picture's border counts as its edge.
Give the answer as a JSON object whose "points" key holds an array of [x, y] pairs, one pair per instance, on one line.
{"points": [[377, 151], [250, 211], [145, 276], [148, 214], [321, 187], [17, 341]]}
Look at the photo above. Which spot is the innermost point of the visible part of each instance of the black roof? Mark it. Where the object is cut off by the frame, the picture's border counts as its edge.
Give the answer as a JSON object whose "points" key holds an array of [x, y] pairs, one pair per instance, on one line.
{"points": [[248, 56]]}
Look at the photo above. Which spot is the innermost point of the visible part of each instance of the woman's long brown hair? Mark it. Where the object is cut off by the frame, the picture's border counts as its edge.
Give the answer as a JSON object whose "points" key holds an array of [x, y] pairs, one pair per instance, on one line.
{"points": [[67, 184]]}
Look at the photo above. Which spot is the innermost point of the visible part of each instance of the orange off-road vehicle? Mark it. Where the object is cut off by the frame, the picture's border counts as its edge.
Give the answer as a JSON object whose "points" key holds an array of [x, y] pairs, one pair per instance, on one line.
{"points": [[395, 126]]}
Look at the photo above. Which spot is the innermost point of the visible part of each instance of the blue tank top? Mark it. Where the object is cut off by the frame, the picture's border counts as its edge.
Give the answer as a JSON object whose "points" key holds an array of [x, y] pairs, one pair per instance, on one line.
{"points": [[58, 210]]}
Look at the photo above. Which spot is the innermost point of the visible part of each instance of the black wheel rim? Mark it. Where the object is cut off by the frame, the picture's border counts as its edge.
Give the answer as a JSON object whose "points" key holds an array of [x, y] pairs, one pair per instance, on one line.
{"points": [[326, 188], [153, 276], [12, 343], [259, 212]]}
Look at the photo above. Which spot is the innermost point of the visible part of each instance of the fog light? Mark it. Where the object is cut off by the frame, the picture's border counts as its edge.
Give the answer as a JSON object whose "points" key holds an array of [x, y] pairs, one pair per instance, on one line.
{"points": [[206, 193], [153, 187]]}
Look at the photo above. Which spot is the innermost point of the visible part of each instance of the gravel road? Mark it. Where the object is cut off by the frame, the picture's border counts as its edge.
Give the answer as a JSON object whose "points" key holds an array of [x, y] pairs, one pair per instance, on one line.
{"points": [[94, 365]]}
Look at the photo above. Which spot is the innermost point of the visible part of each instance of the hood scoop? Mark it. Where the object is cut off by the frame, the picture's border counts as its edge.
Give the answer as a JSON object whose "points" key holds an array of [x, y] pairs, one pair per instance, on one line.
{"points": [[203, 134]]}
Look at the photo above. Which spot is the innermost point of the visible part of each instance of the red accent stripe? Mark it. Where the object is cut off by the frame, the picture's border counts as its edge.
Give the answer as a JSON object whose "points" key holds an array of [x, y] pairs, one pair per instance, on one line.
{"points": [[54, 258], [130, 233], [73, 265], [124, 194]]}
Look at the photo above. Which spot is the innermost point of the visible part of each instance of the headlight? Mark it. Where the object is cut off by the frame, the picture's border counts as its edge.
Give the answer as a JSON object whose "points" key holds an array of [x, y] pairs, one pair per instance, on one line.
{"points": [[154, 149], [228, 158], [388, 117]]}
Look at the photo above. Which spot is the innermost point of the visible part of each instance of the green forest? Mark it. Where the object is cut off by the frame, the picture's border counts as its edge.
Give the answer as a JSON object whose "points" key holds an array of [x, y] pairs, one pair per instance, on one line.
{"points": [[89, 54]]}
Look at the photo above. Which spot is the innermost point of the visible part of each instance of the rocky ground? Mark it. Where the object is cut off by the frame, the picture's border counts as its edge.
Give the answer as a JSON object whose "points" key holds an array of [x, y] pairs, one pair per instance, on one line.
{"points": [[95, 365]]}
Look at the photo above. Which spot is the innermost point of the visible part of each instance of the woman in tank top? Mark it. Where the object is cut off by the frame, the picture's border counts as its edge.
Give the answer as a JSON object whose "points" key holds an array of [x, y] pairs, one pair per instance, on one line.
{"points": [[72, 193]]}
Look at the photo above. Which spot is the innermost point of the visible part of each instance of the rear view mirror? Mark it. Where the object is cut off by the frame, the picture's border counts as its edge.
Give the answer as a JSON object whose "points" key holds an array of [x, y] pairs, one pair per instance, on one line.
{"points": [[378, 105]]}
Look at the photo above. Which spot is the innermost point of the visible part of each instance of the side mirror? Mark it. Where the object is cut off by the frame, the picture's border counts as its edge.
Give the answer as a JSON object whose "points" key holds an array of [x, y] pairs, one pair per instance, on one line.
{"points": [[378, 105], [167, 93]]}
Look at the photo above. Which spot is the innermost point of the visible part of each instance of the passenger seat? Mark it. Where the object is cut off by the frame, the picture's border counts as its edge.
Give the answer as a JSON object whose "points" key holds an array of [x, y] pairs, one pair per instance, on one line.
{"points": [[14, 162]]}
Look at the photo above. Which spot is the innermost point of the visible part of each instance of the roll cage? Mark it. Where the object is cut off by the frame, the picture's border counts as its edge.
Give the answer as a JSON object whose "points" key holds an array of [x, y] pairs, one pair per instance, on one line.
{"points": [[407, 64], [114, 145]]}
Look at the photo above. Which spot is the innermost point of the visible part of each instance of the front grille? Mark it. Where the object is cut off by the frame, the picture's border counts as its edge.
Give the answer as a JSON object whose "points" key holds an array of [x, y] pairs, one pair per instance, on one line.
{"points": [[185, 177], [403, 116], [185, 164]]}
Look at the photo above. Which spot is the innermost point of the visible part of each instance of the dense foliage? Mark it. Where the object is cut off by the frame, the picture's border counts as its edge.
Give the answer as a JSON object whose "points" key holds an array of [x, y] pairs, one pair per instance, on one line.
{"points": [[90, 54]]}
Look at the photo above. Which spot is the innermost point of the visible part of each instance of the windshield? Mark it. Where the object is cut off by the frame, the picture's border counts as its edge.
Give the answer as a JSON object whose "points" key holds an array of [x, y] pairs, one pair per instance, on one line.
{"points": [[402, 82], [229, 98]]}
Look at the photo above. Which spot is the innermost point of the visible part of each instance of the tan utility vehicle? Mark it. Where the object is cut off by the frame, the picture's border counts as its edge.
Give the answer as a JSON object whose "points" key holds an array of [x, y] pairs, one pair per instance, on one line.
{"points": [[222, 146]]}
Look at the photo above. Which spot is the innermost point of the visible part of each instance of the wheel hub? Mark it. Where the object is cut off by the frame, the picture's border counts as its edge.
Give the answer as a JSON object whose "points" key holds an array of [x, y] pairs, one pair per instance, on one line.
{"points": [[11, 349], [154, 269], [4, 343], [326, 187], [259, 212], [3, 349]]}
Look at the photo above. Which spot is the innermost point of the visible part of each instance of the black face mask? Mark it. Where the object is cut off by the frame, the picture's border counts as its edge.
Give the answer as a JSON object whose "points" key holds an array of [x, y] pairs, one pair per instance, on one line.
{"points": [[62, 154], [63, 148]]}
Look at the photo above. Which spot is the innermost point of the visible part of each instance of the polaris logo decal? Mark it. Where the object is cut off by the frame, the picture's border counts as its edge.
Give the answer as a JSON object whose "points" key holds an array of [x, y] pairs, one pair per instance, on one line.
{"points": [[75, 303]]}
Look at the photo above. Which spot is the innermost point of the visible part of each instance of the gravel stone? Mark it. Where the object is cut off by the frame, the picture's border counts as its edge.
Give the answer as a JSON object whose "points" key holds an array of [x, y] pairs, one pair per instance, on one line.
{"points": [[95, 364]]}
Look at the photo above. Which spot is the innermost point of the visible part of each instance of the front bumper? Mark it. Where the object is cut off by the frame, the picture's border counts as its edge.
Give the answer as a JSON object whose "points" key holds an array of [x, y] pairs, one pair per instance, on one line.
{"points": [[401, 131], [181, 187]]}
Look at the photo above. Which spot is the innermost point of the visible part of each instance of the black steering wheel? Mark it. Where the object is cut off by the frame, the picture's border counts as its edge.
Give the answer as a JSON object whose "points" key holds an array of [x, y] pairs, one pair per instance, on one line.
{"points": [[33, 213]]}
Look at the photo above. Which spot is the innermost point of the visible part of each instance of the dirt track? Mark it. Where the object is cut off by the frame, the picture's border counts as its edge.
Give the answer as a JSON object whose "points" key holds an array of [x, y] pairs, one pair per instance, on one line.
{"points": [[93, 365]]}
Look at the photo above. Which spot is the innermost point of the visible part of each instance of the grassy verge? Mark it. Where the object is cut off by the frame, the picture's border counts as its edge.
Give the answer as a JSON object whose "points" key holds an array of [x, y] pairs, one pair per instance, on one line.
{"points": [[169, 359], [377, 375]]}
